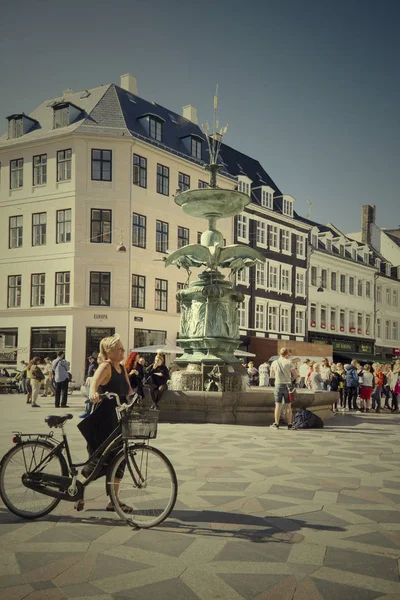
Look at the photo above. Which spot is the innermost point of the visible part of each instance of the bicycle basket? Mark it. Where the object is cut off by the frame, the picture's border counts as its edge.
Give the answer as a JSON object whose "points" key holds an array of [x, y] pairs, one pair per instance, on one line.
{"points": [[139, 423]]}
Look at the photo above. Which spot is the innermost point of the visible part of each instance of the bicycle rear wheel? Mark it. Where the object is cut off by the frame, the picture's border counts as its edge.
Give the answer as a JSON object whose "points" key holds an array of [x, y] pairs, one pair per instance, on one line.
{"points": [[148, 489], [20, 500]]}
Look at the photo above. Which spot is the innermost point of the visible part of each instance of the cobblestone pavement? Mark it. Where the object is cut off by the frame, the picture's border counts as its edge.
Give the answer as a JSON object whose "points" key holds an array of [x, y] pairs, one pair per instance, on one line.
{"points": [[261, 514]]}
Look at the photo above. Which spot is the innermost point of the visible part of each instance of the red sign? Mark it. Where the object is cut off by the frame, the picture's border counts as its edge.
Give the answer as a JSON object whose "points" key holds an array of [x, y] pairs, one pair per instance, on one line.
{"points": [[396, 350], [313, 323], [333, 327], [323, 326], [342, 328], [367, 332], [352, 330], [359, 330]]}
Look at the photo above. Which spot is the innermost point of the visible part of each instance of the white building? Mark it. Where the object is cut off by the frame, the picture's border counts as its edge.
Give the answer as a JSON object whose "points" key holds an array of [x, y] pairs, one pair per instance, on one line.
{"points": [[79, 176]]}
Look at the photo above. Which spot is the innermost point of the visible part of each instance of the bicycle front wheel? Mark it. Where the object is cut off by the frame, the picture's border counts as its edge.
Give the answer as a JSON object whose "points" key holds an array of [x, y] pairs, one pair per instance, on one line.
{"points": [[23, 458], [146, 493]]}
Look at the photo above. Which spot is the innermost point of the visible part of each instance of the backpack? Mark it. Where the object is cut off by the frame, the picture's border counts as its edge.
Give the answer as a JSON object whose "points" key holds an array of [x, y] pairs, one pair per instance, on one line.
{"points": [[38, 374], [351, 378], [305, 419], [335, 382]]}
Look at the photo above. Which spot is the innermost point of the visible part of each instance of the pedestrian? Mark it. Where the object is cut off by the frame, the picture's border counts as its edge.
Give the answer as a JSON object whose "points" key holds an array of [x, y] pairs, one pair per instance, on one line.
{"points": [[367, 385], [158, 375], [342, 377], [263, 374], [135, 373], [22, 380], [36, 378], [61, 378], [395, 386], [316, 381], [335, 382], [303, 372], [377, 393], [48, 376], [92, 366], [282, 371], [351, 386], [252, 373], [387, 371], [325, 371], [28, 382]]}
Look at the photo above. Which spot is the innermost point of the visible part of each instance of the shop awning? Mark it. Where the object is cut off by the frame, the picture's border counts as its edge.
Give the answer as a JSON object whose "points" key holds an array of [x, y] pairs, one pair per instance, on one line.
{"points": [[362, 358]]}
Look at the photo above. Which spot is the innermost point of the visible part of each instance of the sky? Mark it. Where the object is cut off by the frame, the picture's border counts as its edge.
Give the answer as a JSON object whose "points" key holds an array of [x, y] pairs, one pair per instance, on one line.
{"points": [[310, 88]]}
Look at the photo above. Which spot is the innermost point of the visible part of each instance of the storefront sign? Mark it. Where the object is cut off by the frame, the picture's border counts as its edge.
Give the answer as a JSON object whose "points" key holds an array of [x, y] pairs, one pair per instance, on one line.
{"points": [[359, 330], [323, 326], [313, 323], [396, 350], [341, 328], [348, 346], [366, 348], [352, 329], [100, 316], [138, 319], [332, 327]]}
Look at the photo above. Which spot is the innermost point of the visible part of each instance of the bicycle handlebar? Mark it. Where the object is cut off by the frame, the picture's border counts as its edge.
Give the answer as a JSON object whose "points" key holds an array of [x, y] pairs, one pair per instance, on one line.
{"points": [[121, 407]]}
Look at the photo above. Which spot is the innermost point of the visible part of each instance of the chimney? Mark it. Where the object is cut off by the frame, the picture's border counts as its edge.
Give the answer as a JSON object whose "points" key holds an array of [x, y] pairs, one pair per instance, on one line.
{"points": [[128, 83], [190, 113], [68, 92], [367, 219]]}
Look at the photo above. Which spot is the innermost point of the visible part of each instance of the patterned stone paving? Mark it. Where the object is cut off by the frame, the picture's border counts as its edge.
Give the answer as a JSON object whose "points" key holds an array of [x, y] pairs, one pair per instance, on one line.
{"points": [[261, 514]]}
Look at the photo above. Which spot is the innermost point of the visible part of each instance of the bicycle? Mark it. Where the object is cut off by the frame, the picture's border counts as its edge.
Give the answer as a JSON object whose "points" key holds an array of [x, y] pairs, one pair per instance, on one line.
{"points": [[38, 472]]}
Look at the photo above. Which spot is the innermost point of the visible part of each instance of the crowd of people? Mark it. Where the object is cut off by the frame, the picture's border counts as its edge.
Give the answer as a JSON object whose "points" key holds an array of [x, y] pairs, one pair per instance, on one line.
{"points": [[359, 387]]}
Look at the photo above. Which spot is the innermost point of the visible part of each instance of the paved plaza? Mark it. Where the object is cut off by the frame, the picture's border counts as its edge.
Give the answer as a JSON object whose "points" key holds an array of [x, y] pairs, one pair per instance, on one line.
{"points": [[261, 514]]}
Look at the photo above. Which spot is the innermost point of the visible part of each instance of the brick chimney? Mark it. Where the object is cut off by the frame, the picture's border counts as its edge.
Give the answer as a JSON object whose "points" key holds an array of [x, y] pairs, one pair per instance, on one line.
{"points": [[128, 83], [190, 112], [367, 219]]}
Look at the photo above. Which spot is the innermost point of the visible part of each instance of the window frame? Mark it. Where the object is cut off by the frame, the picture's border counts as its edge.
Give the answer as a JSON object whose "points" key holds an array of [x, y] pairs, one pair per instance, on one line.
{"points": [[38, 286], [161, 231], [161, 295], [139, 171], [183, 182], [162, 180], [286, 241], [183, 238], [65, 222], [16, 290], [242, 226], [62, 289], [19, 229], [155, 129], [138, 291], [42, 232], [99, 239], [139, 228], [102, 161], [39, 171], [100, 283], [195, 148], [273, 235], [63, 164], [19, 170]]}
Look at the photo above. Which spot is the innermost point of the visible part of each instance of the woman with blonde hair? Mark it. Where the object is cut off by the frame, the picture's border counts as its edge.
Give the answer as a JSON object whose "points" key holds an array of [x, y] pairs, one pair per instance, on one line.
{"points": [[395, 386], [316, 380], [110, 376]]}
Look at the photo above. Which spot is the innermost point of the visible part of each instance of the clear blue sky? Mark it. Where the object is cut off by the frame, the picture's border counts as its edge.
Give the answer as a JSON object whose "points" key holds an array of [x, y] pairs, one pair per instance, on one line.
{"points": [[309, 87]]}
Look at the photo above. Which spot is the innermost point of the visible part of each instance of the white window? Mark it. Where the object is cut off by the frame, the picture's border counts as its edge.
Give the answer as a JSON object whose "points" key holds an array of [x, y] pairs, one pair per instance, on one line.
{"points": [[287, 207], [273, 237], [260, 275], [323, 317], [273, 277], [342, 322], [388, 269], [333, 281], [286, 241], [394, 298], [313, 315], [243, 314], [314, 276], [366, 258], [242, 276], [300, 246], [367, 324], [388, 296], [285, 279], [272, 318], [378, 328], [261, 233], [378, 293], [266, 198], [324, 278], [351, 286], [299, 323], [394, 330], [359, 322], [314, 240], [333, 319], [353, 253], [359, 287], [387, 327], [242, 228], [300, 285], [260, 316], [328, 245], [352, 322], [285, 320], [368, 289], [244, 187]]}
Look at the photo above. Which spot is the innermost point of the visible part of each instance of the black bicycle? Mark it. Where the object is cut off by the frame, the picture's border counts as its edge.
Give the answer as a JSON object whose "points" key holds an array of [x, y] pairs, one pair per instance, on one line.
{"points": [[38, 472]]}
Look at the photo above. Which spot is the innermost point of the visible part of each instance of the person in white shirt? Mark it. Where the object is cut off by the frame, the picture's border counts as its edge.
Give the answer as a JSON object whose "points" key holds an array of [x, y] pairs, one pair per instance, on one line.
{"points": [[367, 386], [316, 381], [303, 372], [61, 377], [263, 372], [282, 370]]}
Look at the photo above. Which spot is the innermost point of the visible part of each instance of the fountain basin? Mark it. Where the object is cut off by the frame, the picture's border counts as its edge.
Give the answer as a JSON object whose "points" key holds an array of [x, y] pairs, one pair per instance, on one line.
{"points": [[209, 203]]}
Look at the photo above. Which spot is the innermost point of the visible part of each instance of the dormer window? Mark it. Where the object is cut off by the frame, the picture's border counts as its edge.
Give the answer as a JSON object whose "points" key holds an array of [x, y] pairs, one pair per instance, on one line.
{"points": [[378, 263], [287, 206], [388, 269], [65, 113], [196, 148], [328, 245], [314, 240], [18, 125], [267, 197], [353, 253], [244, 185], [155, 129]]}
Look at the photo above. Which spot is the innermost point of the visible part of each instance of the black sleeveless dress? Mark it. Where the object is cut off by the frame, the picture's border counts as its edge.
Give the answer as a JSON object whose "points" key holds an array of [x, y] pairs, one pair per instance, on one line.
{"points": [[101, 423]]}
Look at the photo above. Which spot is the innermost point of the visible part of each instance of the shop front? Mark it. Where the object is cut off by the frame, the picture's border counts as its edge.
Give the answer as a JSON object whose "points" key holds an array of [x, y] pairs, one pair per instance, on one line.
{"points": [[346, 349], [8, 345], [47, 341]]}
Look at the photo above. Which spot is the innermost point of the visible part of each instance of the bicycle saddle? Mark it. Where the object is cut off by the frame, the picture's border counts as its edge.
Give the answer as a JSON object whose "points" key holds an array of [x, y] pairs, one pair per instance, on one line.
{"points": [[57, 420]]}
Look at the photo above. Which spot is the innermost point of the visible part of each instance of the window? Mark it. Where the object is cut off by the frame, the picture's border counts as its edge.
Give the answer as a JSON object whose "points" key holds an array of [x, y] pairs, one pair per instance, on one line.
{"points": [[388, 296], [242, 276], [139, 171], [15, 232], [359, 322], [261, 233], [138, 230], [394, 298], [287, 207], [273, 237], [273, 277], [244, 187], [260, 275], [47, 341], [378, 293], [39, 229], [378, 328], [242, 227], [64, 160], [314, 240], [100, 288], [101, 165], [14, 291], [368, 289], [359, 287], [388, 268], [299, 322], [328, 245], [16, 173], [15, 128], [333, 319], [394, 330], [343, 284], [260, 316], [272, 318], [351, 286], [203, 184], [323, 317], [63, 232], [63, 288], [285, 320], [266, 199], [183, 182], [285, 279], [40, 169], [196, 148], [161, 236], [155, 129], [38, 281], [138, 291], [199, 237], [387, 328], [179, 286], [313, 315], [367, 324], [61, 117], [314, 276], [242, 314], [163, 180], [324, 278], [341, 250], [161, 297], [286, 241], [333, 281], [353, 253], [342, 320], [183, 236], [300, 249], [352, 323], [300, 287], [100, 226]]}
